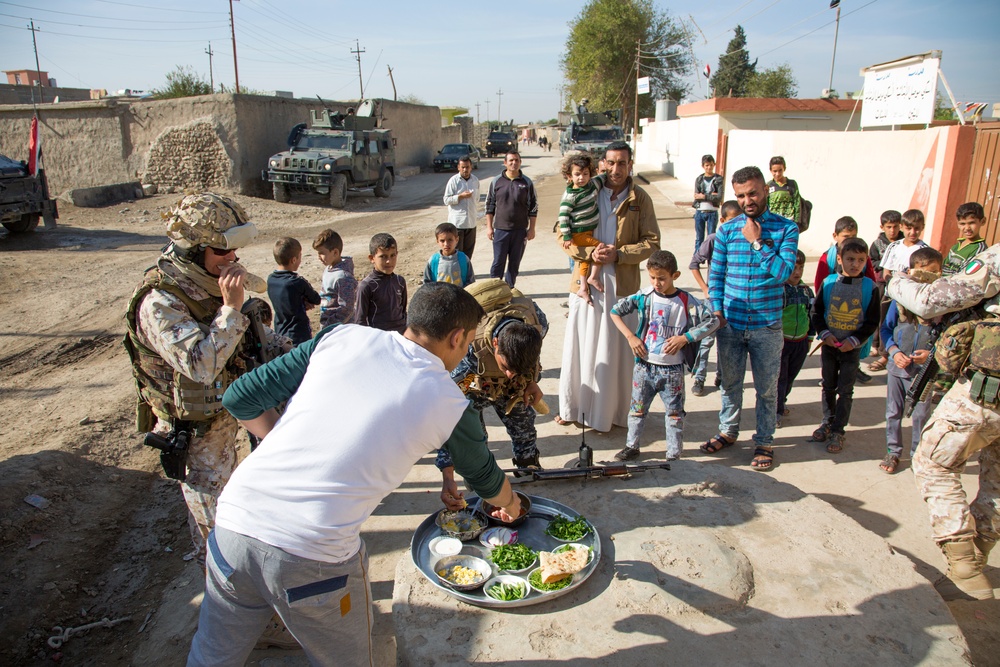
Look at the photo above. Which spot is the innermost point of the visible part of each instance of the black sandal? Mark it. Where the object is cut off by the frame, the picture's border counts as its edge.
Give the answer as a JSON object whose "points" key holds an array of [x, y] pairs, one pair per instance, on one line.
{"points": [[763, 459], [716, 444]]}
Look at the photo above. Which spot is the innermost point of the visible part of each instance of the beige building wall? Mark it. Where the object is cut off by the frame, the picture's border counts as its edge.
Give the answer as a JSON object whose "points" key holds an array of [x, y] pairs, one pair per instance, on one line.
{"points": [[93, 143], [676, 146]]}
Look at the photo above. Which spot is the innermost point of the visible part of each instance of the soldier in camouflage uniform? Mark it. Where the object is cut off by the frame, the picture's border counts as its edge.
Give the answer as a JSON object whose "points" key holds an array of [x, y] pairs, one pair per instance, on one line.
{"points": [[501, 370], [185, 330], [966, 421]]}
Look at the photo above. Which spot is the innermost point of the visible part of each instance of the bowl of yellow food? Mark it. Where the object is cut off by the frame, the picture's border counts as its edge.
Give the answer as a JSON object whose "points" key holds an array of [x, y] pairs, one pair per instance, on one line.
{"points": [[464, 524], [463, 573]]}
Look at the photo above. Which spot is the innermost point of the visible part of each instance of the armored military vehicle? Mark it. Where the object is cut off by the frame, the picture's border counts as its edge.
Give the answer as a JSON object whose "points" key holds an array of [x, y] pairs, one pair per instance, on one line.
{"points": [[334, 154], [24, 197], [592, 132], [500, 139]]}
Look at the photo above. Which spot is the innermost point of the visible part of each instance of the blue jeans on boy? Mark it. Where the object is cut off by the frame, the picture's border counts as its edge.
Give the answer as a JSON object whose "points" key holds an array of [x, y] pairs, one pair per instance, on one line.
{"points": [[701, 361], [703, 220], [649, 380], [763, 346], [895, 397]]}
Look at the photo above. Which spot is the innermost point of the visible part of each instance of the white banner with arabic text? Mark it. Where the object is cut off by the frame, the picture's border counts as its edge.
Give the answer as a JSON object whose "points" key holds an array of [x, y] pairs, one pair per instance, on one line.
{"points": [[900, 95]]}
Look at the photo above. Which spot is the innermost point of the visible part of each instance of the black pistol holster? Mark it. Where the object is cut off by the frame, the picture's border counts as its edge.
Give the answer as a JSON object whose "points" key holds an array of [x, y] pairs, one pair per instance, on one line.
{"points": [[173, 450]]}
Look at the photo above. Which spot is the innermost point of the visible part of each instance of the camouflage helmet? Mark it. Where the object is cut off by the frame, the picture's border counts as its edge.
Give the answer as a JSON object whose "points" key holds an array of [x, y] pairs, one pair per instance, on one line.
{"points": [[209, 219]]}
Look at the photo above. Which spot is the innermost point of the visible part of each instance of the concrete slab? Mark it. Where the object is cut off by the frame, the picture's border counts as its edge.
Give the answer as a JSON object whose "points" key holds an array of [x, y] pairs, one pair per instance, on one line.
{"points": [[103, 195], [703, 565]]}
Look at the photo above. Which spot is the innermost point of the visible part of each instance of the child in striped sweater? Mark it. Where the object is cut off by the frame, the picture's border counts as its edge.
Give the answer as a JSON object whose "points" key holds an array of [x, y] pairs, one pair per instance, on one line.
{"points": [[579, 216]]}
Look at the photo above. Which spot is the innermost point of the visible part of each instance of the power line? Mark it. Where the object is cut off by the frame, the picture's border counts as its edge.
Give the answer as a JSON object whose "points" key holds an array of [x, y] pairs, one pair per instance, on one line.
{"points": [[159, 9], [106, 18], [108, 27], [746, 19], [113, 39]]}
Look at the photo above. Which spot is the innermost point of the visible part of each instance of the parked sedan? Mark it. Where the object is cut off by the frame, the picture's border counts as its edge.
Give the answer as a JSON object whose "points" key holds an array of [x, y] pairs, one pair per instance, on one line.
{"points": [[448, 157]]}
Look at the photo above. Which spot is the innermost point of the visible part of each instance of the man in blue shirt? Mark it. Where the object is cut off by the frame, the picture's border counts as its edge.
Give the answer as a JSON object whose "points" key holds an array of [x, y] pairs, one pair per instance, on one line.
{"points": [[754, 255]]}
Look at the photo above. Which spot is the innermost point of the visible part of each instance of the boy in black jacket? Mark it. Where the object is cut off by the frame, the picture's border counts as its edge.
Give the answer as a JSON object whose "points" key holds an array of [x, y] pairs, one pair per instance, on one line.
{"points": [[707, 197]]}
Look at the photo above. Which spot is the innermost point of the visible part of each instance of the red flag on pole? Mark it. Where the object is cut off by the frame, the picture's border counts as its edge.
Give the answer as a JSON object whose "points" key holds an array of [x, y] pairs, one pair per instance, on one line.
{"points": [[34, 148], [708, 71]]}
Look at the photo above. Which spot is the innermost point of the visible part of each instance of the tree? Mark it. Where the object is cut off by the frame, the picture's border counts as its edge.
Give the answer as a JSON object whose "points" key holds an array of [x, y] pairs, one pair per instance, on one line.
{"points": [[735, 69], [600, 57], [773, 82], [411, 99], [183, 82], [942, 111]]}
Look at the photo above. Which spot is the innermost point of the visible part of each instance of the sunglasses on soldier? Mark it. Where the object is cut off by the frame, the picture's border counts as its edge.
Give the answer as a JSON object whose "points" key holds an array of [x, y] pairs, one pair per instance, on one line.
{"points": [[221, 252]]}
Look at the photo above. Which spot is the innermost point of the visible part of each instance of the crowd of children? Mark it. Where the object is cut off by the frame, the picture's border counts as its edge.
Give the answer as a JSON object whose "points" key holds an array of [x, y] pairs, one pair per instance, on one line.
{"points": [[848, 314]]}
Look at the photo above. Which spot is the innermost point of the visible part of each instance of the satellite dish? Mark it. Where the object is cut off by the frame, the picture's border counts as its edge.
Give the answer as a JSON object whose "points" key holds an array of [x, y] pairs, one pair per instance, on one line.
{"points": [[365, 109]]}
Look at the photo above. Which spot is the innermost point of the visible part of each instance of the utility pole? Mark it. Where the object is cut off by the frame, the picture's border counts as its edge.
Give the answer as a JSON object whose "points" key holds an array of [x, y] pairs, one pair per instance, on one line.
{"points": [[477, 113], [357, 51], [232, 25], [635, 126], [393, 82], [487, 110], [38, 69], [211, 76], [499, 99], [836, 33]]}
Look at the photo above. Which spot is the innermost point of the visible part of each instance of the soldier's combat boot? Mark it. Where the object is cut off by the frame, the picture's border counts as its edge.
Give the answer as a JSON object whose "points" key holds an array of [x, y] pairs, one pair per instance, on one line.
{"points": [[984, 545], [528, 462], [965, 573]]}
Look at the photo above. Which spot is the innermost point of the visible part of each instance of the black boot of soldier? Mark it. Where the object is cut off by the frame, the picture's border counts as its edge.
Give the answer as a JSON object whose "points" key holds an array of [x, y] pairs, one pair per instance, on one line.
{"points": [[529, 463]]}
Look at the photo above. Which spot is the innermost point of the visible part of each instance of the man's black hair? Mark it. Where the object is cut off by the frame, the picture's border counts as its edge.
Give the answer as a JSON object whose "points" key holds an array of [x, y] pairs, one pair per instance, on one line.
{"points": [[618, 146], [520, 344], [436, 309], [747, 174]]}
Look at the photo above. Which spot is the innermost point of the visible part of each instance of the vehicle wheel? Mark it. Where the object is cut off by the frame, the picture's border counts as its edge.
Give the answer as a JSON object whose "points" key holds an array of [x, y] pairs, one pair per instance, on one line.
{"points": [[338, 191], [475, 165], [27, 223], [384, 185], [281, 194]]}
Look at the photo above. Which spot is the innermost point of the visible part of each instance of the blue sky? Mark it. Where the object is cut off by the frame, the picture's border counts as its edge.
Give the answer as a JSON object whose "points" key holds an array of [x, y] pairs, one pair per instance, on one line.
{"points": [[460, 53]]}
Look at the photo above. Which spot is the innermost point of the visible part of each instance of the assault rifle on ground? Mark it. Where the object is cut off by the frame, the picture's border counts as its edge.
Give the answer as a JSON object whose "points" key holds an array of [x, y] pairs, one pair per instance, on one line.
{"points": [[611, 469]]}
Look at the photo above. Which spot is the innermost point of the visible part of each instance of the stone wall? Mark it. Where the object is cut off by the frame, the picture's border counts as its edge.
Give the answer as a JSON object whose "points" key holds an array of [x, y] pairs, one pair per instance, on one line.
{"points": [[451, 134], [20, 94], [221, 141]]}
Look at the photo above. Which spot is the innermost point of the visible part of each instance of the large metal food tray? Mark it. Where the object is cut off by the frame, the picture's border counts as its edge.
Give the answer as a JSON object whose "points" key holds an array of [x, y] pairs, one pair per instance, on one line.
{"points": [[531, 532]]}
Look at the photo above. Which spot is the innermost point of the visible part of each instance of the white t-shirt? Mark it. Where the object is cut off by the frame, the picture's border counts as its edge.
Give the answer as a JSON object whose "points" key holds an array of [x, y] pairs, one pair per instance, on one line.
{"points": [[667, 318], [307, 490], [897, 255]]}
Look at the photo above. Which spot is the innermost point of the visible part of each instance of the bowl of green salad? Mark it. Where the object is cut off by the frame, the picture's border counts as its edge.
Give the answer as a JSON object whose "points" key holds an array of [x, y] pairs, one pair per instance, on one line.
{"points": [[506, 588], [515, 558], [565, 529]]}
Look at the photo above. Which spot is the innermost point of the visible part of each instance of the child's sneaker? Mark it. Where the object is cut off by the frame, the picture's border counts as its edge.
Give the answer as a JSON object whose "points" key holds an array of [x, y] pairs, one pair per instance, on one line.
{"points": [[822, 433], [698, 388], [863, 377], [627, 454]]}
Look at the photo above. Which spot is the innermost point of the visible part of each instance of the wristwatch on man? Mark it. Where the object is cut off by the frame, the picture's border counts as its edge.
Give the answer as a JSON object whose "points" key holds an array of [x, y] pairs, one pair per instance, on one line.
{"points": [[757, 245]]}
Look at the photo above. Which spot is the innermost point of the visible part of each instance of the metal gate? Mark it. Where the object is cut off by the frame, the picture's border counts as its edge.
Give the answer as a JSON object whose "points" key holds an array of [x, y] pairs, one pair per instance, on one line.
{"points": [[984, 177]]}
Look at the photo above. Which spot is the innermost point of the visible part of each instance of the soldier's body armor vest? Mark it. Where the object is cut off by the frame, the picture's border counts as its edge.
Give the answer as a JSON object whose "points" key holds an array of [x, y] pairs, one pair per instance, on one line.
{"points": [[500, 302], [163, 391]]}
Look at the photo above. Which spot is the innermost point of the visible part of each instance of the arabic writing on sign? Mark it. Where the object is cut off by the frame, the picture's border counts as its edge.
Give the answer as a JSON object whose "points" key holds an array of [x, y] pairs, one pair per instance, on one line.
{"points": [[901, 95]]}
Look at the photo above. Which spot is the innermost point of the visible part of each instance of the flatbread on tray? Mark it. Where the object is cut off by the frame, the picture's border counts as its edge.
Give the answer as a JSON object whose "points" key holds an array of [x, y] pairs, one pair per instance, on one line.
{"points": [[556, 567]]}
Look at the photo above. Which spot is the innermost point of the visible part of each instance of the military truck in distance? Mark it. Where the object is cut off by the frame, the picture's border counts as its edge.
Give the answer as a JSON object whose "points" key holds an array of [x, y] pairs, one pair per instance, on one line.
{"points": [[24, 197], [336, 153], [592, 132]]}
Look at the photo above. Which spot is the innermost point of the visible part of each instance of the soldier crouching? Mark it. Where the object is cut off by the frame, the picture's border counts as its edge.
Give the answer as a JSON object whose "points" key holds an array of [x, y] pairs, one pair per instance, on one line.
{"points": [[966, 422], [185, 333]]}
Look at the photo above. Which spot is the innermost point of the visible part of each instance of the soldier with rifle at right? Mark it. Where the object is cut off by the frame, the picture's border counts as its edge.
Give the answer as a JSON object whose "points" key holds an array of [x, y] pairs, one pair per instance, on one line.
{"points": [[966, 422]]}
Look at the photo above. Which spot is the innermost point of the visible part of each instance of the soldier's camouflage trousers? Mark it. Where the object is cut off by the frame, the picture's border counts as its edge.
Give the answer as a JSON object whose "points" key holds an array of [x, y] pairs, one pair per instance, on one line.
{"points": [[958, 429], [211, 460], [520, 425]]}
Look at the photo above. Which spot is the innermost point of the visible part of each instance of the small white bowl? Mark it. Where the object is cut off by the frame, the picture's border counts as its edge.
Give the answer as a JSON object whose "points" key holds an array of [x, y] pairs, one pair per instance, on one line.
{"points": [[442, 545], [508, 579], [494, 537]]}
